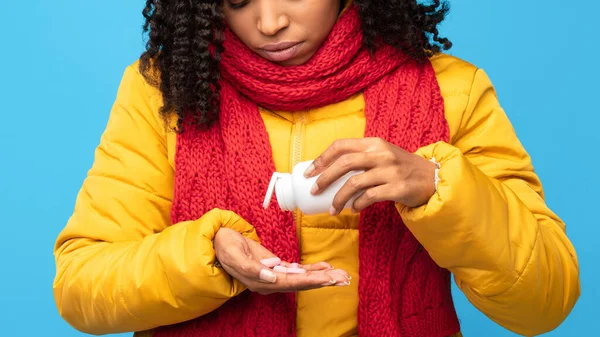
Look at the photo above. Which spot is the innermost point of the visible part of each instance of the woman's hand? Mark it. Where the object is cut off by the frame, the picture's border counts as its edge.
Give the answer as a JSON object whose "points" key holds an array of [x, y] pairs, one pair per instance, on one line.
{"points": [[251, 263], [391, 173]]}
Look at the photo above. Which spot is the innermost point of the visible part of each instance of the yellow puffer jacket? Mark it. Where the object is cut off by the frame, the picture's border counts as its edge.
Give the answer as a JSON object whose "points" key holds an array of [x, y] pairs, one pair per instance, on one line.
{"points": [[122, 267]]}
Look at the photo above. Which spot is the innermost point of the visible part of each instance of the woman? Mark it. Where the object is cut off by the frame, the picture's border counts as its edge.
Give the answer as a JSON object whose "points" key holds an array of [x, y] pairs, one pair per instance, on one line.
{"points": [[168, 236]]}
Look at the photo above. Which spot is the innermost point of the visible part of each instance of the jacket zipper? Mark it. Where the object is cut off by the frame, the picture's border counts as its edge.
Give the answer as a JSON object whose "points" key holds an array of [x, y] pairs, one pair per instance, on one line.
{"points": [[297, 131]]}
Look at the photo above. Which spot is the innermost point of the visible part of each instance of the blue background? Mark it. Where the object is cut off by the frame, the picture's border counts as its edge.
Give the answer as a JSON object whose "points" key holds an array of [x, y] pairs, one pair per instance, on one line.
{"points": [[61, 62]]}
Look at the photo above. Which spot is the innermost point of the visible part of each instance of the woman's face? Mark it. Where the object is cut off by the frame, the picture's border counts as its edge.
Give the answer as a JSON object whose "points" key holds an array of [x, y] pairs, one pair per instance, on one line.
{"points": [[287, 32]]}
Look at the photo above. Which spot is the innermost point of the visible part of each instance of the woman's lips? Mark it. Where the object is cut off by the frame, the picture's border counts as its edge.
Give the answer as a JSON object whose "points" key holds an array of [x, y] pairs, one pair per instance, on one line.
{"points": [[282, 51]]}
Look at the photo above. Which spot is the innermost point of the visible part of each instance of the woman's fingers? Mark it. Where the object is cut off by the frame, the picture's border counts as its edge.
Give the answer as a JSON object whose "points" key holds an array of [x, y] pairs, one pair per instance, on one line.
{"points": [[340, 148], [373, 195], [246, 268], [316, 266], [310, 280], [266, 258], [240, 257], [308, 267], [269, 281], [357, 184], [250, 264], [357, 161], [335, 151], [343, 275]]}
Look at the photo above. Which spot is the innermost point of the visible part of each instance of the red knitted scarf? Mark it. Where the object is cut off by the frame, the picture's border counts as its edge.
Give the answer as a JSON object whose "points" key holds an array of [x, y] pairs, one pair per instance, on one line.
{"points": [[402, 292]]}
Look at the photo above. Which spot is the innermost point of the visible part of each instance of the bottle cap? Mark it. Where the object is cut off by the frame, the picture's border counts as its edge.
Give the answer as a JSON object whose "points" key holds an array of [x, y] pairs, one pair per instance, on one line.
{"points": [[276, 176]]}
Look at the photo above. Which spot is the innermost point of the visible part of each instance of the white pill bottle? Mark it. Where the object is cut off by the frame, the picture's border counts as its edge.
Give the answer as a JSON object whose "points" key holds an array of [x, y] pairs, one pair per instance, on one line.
{"points": [[293, 191]]}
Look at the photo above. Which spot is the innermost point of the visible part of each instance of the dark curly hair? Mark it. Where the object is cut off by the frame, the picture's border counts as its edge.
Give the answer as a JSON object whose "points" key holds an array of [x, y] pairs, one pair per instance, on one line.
{"points": [[177, 59]]}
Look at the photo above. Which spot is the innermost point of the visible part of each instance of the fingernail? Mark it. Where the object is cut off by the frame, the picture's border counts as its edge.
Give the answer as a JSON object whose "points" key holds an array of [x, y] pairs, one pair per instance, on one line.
{"points": [[343, 284], [314, 189], [331, 282], [271, 262], [332, 211], [309, 170], [296, 271], [294, 265], [280, 269], [268, 276], [349, 277]]}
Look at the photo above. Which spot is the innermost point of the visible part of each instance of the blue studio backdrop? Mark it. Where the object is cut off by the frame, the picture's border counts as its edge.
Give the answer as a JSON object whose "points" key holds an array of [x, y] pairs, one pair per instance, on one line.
{"points": [[62, 62]]}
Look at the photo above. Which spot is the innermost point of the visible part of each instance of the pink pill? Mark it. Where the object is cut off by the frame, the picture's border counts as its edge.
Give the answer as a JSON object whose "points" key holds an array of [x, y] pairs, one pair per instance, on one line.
{"points": [[271, 262]]}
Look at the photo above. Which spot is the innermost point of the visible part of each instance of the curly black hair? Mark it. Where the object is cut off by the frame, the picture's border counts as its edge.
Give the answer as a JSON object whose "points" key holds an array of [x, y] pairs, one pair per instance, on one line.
{"points": [[177, 59]]}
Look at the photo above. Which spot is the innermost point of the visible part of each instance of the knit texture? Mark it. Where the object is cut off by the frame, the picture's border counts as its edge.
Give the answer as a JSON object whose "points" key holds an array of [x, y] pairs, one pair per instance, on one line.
{"points": [[402, 292]]}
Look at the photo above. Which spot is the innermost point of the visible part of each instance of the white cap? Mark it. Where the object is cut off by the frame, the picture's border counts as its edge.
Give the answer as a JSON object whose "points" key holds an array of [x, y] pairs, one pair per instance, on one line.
{"points": [[284, 198]]}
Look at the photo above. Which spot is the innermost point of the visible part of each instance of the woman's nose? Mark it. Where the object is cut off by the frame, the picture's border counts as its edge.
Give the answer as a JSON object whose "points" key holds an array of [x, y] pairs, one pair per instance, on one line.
{"points": [[271, 19]]}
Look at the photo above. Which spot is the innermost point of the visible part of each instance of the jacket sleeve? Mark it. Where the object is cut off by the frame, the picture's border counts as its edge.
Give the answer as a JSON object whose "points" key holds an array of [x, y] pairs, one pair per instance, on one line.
{"points": [[120, 266], [489, 225]]}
